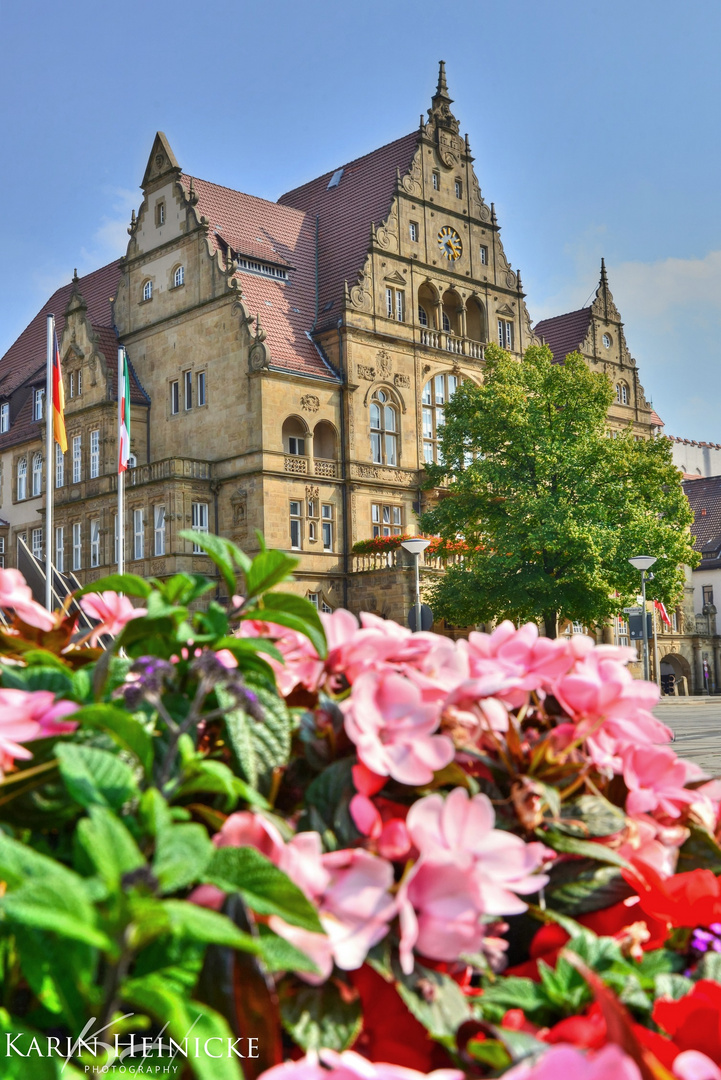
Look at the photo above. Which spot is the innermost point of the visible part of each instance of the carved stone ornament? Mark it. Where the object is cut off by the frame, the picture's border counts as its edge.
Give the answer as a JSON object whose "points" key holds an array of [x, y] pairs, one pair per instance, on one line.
{"points": [[450, 147], [360, 294], [311, 491], [402, 380], [93, 369], [239, 505], [310, 403], [511, 280], [412, 180], [384, 364], [259, 358], [366, 372]]}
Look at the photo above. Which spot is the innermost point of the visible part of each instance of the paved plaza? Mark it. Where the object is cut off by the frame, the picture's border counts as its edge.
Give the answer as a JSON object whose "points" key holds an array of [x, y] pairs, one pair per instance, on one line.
{"points": [[696, 723]]}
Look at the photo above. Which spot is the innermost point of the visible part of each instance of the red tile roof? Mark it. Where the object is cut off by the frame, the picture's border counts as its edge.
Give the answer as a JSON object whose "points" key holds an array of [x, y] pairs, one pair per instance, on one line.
{"points": [[281, 236], [346, 211], [656, 419], [564, 334], [23, 365]]}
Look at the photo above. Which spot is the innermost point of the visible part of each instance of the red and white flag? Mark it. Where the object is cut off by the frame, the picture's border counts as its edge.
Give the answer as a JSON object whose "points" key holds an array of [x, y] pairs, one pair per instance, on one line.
{"points": [[662, 612], [124, 416]]}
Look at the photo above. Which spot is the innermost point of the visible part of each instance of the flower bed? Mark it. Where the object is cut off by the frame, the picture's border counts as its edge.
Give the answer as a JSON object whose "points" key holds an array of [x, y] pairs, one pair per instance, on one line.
{"points": [[436, 547], [311, 844]]}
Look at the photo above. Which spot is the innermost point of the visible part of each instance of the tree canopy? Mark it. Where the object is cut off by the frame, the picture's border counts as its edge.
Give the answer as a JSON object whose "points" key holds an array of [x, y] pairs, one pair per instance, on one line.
{"points": [[551, 507]]}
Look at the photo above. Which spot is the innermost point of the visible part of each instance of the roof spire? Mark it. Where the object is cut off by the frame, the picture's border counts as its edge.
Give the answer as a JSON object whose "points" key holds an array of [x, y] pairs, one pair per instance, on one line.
{"points": [[441, 102], [442, 88]]}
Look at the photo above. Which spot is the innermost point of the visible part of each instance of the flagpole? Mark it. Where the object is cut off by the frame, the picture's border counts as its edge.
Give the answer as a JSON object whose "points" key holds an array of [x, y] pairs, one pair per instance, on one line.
{"points": [[657, 669], [121, 473], [49, 447]]}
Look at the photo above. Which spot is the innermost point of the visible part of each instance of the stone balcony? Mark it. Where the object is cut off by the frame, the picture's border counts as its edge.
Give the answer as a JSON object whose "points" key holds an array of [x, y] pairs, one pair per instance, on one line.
{"points": [[446, 341], [187, 468], [305, 466], [399, 559]]}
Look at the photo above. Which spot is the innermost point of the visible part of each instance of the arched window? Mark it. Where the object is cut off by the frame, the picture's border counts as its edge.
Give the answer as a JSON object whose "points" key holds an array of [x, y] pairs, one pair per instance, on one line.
{"points": [[22, 479], [475, 320], [324, 441], [384, 429], [436, 393], [452, 306], [295, 437], [427, 305], [179, 277], [422, 315], [148, 290], [37, 474], [446, 321], [622, 393]]}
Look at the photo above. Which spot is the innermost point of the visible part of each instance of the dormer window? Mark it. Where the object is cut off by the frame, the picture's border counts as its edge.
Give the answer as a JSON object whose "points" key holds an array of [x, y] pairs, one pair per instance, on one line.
{"points": [[148, 290], [179, 277], [160, 213], [38, 404]]}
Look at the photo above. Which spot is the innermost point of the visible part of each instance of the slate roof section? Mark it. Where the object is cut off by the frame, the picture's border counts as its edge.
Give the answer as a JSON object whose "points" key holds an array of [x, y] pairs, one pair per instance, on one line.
{"points": [[23, 365], [281, 236], [704, 495], [346, 211], [564, 334]]}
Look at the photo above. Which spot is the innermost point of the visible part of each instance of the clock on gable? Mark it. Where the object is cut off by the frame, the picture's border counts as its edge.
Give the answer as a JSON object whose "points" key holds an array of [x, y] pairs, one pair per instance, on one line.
{"points": [[450, 243]]}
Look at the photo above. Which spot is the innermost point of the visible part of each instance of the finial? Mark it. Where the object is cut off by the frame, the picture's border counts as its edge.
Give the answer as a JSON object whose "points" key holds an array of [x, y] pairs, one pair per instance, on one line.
{"points": [[422, 125], [493, 214], [76, 279], [442, 88], [604, 278], [373, 232], [518, 280], [346, 291]]}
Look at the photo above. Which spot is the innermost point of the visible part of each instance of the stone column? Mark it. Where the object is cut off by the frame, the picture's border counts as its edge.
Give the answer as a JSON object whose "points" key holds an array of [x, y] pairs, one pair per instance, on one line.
{"points": [[697, 688], [717, 664]]}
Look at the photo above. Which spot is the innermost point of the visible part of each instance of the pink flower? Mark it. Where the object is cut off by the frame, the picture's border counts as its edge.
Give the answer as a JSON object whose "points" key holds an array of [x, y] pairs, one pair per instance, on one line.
{"points": [[393, 729], [693, 1065], [440, 912], [654, 844], [27, 715], [112, 611], [16, 594], [301, 663], [656, 779], [533, 661], [562, 1060], [330, 1065]]}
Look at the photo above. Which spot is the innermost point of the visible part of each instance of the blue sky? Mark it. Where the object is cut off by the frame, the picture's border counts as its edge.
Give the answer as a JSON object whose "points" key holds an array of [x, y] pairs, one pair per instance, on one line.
{"points": [[594, 126]]}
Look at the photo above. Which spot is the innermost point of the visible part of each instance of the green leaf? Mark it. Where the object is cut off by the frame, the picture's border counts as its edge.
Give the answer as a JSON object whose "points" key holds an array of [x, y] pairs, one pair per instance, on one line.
{"points": [[129, 584], [122, 726], [224, 553], [490, 1052], [709, 967], [15, 1067], [571, 845], [590, 815], [263, 887], [211, 927], [579, 887], [330, 795], [268, 569], [435, 1000], [513, 992], [279, 955], [210, 776], [108, 845], [37, 678], [151, 994], [95, 777], [258, 748], [672, 985], [43, 906], [700, 851], [296, 613], [182, 853], [60, 972], [317, 1017]]}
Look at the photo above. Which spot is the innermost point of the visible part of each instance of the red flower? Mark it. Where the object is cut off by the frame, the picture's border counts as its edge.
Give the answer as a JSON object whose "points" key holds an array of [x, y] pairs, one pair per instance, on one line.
{"points": [[587, 1031], [690, 899], [694, 1021]]}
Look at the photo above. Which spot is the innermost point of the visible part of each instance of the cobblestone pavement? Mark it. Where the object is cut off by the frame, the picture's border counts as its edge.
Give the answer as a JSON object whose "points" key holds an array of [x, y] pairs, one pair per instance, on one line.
{"points": [[696, 723]]}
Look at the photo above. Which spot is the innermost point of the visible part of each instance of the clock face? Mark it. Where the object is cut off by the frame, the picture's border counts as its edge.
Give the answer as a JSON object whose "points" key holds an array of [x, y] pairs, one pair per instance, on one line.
{"points": [[450, 243]]}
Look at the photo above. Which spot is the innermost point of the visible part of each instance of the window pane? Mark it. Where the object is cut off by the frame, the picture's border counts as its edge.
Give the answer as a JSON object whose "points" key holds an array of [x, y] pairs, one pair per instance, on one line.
{"points": [[386, 513], [428, 452], [390, 418], [427, 394], [327, 511], [396, 515], [295, 508], [375, 512], [422, 316], [201, 388], [391, 458], [389, 303], [440, 386], [327, 535], [428, 423], [59, 549], [159, 531], [375, 416], [399, 305], [294, 533], [376, 448], [452, 385]]}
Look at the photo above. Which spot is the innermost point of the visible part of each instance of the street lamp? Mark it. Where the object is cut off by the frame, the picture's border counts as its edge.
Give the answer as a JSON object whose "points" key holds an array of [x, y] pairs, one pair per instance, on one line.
{"points": [[415, 545], [643, 563]]}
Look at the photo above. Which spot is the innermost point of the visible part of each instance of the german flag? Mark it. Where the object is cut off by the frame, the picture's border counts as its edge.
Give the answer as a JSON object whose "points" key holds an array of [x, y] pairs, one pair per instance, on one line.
{"points": [[58, 400]]}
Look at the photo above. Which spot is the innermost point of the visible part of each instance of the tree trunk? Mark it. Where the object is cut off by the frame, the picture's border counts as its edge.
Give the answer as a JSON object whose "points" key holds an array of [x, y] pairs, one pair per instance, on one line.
{"points": [[550, 623]]}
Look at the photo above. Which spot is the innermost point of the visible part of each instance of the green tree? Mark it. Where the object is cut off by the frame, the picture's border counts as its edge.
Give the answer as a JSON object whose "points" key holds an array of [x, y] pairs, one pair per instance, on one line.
{"points": [[550, 507]]}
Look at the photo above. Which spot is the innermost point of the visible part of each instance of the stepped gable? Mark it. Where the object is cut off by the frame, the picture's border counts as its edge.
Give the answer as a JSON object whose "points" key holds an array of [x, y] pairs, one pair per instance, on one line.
{"points": [[564, 334], [277, 236], [24, 364], [361, 197], [704, 495]]}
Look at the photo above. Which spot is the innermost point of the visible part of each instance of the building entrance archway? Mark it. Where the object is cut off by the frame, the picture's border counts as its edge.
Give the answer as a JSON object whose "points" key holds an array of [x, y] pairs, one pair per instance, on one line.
{"points": [[678, 666]]}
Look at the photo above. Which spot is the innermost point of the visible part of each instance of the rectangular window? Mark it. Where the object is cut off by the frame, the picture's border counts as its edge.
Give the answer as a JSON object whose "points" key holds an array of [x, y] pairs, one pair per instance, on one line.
{"points": [[95, 542], [160, 213], [295, 533], [71, 384], [414, 232], [77, 459], [436, 181], [80, 382], [59, 466], [200, 388], [199, 522], [459, 189], [314, 598], [77, 546], [389, 303], [138, 534], [484, 255], [4, 417], [376, 454], [674, 622], [60, 549], [94, 453], [38, 396], [707, 594], [505, 334], [386, 520], [188, 389], [395, 304], [311, 508], [36, 540], [174, 398], [159, 530], [296, 445], [327, 527]]}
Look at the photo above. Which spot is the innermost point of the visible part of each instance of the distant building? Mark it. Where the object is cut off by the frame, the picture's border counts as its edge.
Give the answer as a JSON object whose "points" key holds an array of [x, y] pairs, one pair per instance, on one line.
{"points": [[696, 458]]}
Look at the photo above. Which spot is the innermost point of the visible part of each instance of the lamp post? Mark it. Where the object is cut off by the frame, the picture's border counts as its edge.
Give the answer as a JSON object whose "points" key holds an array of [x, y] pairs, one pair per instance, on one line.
{"points": [[643, 563], [415, 545]]}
